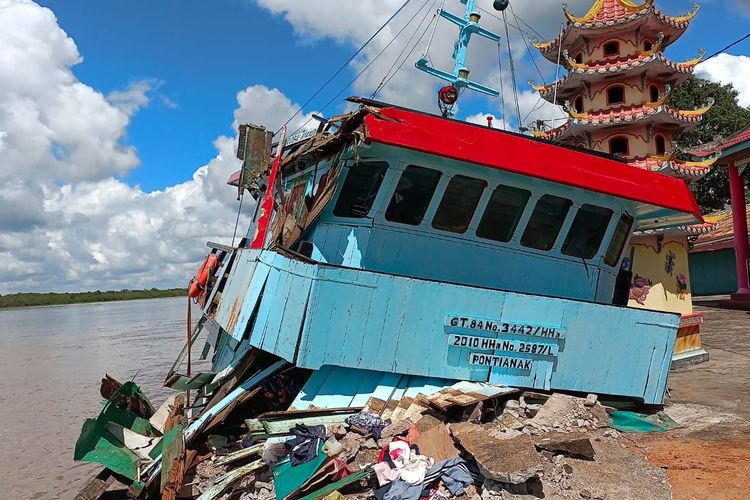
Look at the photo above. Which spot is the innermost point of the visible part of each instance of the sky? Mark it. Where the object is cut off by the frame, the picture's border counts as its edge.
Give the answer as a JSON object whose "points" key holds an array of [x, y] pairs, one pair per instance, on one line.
{"points": [[118, 119]]}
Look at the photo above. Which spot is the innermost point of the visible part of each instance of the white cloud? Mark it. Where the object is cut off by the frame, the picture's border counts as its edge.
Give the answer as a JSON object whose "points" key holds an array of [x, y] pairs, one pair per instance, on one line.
{"points": [[260, 105], [133, 98], [317, 19], [727, 68], [66, 221]]}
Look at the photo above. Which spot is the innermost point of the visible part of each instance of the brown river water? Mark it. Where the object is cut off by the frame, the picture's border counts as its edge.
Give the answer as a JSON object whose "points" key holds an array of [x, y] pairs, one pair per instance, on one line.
{"points": [[51, 362]]}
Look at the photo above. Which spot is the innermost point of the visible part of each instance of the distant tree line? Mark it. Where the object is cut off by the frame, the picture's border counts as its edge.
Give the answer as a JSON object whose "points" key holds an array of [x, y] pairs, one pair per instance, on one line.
{"points": [[49, 299]]}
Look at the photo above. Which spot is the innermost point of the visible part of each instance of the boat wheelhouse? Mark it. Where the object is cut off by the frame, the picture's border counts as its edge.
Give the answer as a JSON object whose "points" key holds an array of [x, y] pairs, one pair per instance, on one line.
{"points": [[411, 244]]}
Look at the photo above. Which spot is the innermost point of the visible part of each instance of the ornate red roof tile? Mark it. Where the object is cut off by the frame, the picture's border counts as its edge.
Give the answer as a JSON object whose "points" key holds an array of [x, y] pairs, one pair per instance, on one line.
{"points": [[717, 147]]}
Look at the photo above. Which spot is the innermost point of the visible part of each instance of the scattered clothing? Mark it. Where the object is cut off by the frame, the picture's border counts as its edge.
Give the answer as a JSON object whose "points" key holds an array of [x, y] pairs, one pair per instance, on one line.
{"points": [[415, 469], [369, 422], [399, 453], [385, 473], [456, 473], [306, 444]]}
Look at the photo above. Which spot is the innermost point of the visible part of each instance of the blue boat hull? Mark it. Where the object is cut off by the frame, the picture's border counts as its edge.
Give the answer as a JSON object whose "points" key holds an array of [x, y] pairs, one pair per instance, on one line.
{"points": [[315, 315]]}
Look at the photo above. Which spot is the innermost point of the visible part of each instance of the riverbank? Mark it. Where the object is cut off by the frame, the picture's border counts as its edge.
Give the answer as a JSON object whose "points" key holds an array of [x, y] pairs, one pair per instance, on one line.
{"points": [[54, 299]]}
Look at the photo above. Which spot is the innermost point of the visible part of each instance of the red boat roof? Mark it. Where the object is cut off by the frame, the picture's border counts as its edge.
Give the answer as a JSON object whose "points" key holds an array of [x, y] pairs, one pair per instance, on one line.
{"points": [[522, 155]]}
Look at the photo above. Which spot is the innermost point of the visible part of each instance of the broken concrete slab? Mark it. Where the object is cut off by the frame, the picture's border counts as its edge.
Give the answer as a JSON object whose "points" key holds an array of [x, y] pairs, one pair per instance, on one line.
{"points": [[575, 445], [396, 429], [436, 443], [561, 411], [512, 461]]}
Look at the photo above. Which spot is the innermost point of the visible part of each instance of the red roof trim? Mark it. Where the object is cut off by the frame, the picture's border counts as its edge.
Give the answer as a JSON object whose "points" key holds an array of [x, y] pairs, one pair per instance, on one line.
{"points": [[525, 156]]}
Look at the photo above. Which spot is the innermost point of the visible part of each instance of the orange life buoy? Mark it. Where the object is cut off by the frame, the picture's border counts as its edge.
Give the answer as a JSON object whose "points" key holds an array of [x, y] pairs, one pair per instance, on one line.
{"points": [[201, 277]]}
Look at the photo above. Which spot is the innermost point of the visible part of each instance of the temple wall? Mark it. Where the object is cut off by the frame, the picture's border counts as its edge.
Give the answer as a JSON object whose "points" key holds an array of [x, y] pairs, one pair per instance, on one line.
{"points": [[637, 136], [660, 264]]}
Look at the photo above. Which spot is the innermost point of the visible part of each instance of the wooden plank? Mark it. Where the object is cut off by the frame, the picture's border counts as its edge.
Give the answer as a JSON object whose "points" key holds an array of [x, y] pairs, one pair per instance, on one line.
{"points": [[225, 481], [96, 486], [239, 455]]}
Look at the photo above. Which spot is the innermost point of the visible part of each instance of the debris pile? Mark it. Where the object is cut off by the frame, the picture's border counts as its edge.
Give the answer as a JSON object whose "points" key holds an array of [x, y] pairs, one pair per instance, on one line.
{"points": [[471, 440]]}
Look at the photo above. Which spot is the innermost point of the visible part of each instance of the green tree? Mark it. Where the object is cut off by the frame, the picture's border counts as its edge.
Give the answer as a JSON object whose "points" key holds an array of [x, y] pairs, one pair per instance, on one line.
{"points": [[725, 118]]}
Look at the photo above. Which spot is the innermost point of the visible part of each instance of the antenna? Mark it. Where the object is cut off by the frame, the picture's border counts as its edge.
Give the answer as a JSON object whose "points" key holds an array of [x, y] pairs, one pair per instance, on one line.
{"points": [[459, 79]]}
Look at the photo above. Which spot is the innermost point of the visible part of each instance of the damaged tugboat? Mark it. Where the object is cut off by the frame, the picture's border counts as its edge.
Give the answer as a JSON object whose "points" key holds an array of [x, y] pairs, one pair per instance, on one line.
{"points": [[394, 255]]}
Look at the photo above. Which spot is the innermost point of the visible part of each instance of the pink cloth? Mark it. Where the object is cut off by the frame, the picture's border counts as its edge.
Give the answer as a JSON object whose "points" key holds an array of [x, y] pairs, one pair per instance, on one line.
{"points": [[385, 474]]}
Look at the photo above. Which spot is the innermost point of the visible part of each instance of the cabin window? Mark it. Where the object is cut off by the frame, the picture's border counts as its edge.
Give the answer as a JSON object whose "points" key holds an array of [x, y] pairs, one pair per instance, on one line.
{"points": [[359, 189], [619, 146], [587, 231], [545, 222], [502, 214], [611, 48], [654, 91], [459, 202], [617, 244], [661, 145], [578, 104], [616, 94], [412, 196], [579, 58]]}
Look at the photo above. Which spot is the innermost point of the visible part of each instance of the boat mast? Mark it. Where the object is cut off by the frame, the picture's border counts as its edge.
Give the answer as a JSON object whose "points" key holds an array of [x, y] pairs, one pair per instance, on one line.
{"points": [[459, 79]]}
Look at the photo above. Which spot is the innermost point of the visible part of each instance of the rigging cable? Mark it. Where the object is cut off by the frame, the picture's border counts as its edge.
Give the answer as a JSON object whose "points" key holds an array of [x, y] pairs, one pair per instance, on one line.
{"points": [[512, 70], [557, 71], [419, 40], [346, 64], [332, 100], [395, 61], [432, 35], [528, 49], [239, 210], [728, 47]]}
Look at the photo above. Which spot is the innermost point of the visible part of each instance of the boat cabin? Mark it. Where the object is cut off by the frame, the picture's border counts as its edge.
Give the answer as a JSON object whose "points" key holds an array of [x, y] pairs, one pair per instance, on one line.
{"points": [[417, 195]]}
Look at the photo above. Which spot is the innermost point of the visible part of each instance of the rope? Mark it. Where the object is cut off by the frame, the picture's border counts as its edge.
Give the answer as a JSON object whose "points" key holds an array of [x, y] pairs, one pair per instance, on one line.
{"points": [[346, 64], [239, 210], [512, 70], [395, 61], [189, 348]]}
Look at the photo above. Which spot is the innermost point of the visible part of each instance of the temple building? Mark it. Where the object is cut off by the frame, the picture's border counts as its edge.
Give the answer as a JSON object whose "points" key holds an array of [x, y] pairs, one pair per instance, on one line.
{"points": [[616, 93]]}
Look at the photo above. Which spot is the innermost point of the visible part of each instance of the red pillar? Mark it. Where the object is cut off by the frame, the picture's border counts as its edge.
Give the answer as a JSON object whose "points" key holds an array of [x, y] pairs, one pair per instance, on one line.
{"points": [[737, 192]]}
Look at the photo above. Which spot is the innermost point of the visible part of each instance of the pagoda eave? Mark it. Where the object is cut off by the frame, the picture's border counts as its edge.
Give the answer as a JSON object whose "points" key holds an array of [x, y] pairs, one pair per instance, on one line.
{"points": [[651, 22], [653, 66], [684, 170], [662, 116]]}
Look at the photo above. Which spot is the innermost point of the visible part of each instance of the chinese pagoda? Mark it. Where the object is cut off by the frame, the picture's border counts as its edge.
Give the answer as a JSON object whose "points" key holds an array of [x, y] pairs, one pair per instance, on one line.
{"points": [[616, 93]]}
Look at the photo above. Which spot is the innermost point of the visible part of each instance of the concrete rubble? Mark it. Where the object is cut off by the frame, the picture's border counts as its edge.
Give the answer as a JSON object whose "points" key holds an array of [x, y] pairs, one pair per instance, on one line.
{"points": [[527, 445]]}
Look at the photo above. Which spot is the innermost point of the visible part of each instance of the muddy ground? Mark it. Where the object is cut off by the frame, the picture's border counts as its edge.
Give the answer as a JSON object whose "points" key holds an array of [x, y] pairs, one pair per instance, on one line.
{"points": [[710, 457]]}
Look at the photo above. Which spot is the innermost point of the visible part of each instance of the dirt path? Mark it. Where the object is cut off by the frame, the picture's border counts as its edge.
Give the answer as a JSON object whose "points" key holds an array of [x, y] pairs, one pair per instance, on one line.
{"points": [[713, 463]]}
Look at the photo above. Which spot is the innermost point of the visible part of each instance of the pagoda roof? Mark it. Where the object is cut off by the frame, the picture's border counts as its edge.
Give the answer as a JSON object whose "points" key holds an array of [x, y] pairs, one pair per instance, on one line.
{"points": [[723, 234], [652, 63], [723, 145], [688, 171], [608, 15], [625, 115]]}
